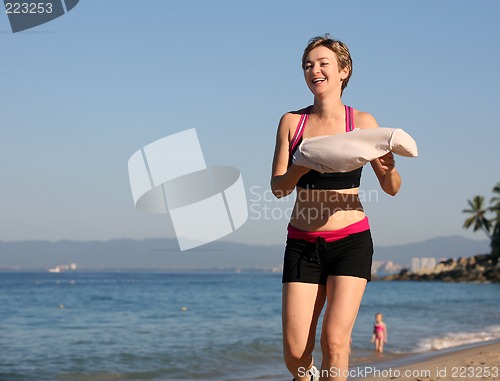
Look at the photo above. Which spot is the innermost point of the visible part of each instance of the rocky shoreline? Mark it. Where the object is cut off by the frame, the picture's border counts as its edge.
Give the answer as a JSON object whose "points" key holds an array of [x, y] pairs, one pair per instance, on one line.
{"points": [[478, 268]]}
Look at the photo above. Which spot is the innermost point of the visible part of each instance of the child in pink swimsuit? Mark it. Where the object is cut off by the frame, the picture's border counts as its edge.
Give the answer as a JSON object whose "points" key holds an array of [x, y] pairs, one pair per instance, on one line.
{"points": [[379, 333]]}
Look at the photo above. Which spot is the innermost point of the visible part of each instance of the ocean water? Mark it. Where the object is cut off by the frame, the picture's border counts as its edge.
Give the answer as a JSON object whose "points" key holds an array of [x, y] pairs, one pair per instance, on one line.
{"points": [[215, 326]]}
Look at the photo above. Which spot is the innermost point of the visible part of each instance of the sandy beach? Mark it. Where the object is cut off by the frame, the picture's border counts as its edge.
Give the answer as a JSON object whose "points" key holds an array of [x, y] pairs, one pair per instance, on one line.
{"points": [[469, 362], [478, 361]]}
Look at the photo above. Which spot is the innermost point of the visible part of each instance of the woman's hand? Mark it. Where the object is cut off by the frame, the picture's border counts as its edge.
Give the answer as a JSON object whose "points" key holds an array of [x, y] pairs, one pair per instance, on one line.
{"points": [[384, 166], [387, 174], [387, 161]]}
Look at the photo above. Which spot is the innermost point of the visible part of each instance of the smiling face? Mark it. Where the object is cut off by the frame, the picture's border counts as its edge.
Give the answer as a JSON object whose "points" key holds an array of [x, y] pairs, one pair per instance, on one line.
{"points": [[322, 73], [337, 54]]}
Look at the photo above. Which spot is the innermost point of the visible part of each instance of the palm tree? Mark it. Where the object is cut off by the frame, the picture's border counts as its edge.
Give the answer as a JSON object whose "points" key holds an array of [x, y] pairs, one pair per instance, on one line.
{"points": [[477, 219], [495, 237], [495, 201]]}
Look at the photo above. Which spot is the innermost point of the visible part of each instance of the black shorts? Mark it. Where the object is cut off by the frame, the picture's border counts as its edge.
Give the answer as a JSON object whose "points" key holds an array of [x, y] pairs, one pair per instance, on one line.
{"points": [[309, 262]]}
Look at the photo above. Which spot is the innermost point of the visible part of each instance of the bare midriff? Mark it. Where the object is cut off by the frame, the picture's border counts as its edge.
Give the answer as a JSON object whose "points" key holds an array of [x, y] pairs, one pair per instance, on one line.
{"points": [[326, 210]]}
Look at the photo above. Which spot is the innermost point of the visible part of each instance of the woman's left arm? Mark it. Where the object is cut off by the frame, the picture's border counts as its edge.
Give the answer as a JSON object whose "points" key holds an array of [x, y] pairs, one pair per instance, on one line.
{"points": [[384, 167]]}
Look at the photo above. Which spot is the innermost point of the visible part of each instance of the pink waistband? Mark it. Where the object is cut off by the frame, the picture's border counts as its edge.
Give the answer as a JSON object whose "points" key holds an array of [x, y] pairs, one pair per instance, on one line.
{"points": [[329, 236]]}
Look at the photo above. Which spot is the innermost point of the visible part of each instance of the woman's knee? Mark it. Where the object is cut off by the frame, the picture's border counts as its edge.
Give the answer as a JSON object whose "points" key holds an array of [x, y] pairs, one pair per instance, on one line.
{"points": [[335, 343], [297, 356]]}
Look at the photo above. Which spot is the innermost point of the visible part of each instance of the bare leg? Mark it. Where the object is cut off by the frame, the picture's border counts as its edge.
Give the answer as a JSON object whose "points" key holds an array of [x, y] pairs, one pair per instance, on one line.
{"points": [[302, 305], [344, 294]]}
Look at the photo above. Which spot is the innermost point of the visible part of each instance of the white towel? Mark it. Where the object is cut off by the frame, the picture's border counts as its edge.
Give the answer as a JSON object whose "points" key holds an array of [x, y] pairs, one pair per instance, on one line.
{"points": [[349, 151]]}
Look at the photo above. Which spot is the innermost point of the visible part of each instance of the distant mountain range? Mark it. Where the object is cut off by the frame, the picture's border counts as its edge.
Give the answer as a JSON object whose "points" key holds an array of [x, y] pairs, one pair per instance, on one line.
{"points": [[164, 254]]}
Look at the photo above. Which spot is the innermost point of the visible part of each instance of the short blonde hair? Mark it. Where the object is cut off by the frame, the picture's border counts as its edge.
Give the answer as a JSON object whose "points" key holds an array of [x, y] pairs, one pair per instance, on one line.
{"points": [[338, 47]]}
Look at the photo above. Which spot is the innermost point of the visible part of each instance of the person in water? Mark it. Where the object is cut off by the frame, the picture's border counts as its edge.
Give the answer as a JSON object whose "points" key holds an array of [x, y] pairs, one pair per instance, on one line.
{"points": [[379, 336], [329, 247]]}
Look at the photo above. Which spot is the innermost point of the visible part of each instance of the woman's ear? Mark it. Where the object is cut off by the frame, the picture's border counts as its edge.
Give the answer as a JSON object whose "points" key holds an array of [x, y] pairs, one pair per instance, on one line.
{"points": [[344, 73]]}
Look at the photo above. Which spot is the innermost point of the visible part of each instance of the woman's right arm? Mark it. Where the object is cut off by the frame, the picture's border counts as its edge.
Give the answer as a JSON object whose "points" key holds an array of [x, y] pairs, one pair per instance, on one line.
{"points": [[284, 178]]}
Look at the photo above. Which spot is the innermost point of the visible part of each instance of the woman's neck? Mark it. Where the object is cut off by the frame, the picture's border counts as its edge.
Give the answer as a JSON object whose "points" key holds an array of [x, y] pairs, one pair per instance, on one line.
{"points": [[331, 108]]}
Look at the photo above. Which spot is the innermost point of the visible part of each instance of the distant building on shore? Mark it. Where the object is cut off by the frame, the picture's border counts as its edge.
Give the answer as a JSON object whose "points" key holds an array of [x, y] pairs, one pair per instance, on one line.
{"points": [[422, 264], [381, 268]]}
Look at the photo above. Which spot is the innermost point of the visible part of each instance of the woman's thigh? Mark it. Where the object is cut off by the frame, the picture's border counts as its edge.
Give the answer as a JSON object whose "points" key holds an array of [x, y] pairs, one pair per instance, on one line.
{"points": [[344, 294], [302, 305]]}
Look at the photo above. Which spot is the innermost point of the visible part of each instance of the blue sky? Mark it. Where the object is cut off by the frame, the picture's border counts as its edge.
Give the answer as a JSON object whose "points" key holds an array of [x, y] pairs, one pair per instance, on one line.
{"points": [[81, 94]]}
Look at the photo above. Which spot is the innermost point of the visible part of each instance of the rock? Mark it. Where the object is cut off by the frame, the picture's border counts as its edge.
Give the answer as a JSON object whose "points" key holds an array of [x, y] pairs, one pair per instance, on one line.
{"points": [[448, 262], [462, 261], [478, 268], [482, 257]]}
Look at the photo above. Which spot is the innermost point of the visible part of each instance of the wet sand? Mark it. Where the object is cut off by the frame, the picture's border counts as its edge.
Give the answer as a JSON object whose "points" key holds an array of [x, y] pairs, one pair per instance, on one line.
{"points": [[480, 361]]}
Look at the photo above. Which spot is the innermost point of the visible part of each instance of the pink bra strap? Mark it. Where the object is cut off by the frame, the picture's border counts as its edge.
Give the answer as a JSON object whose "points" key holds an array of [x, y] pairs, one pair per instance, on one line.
{"points": [[349, 119], [299, 131]]}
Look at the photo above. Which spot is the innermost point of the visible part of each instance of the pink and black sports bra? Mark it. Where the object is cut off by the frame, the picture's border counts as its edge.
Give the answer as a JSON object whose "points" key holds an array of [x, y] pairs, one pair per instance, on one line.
{"points": [[316, 180]]}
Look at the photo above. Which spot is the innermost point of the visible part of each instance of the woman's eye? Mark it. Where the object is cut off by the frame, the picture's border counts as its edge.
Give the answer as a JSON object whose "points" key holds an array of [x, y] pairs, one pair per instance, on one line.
{"points": [[324, 63]]}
